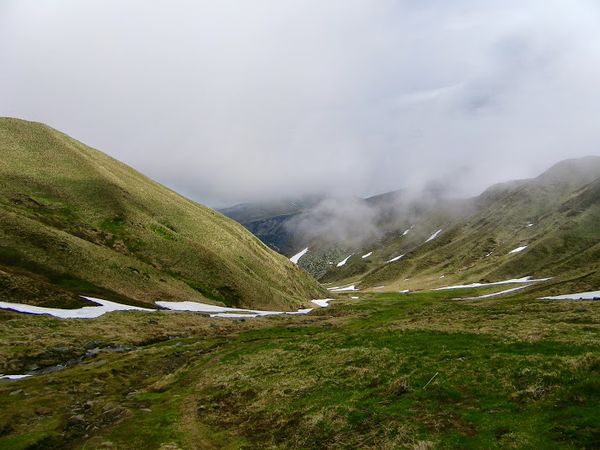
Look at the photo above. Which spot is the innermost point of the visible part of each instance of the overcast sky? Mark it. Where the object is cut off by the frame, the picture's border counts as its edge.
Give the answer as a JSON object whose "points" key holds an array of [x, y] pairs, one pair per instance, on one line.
{"points": [[231, 101]]}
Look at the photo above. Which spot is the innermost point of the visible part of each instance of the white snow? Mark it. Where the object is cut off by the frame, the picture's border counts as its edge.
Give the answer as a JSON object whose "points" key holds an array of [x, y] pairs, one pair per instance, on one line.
{"points": [[529, 225], [13, 377], [354, 297], [434, 235], [442, 276], [86, 312], [224, 311], [379, 287], [343, 262], [299, 255], [322, 302], [367, 255], [345, 289], [405, 291], [518, 249], [333, 288], [476, 285], [495, 294], [406, 231], [578, 296], [394, 259]]}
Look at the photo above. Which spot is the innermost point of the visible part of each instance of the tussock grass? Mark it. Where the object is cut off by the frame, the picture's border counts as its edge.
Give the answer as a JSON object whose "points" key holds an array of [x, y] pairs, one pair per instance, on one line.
{"points": [[512, 373]]}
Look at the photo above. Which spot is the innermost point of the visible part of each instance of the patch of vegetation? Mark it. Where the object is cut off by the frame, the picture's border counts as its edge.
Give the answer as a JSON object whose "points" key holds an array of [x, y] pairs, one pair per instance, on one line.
{"points": [[385, 371]]}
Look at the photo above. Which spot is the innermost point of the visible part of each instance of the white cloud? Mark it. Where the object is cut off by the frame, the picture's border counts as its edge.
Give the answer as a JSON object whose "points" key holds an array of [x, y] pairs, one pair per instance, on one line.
{"points": [[228, 101]]}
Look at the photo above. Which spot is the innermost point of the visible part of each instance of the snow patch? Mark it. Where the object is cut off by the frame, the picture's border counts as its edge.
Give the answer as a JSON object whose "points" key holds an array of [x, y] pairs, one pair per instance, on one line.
{"points": [[394, 259], [367, 255], [345, 289], [13, 377], [518, 249], [343, 262], [434, 235], [299, 255], [405, 291], [591, 295], [495, 294], [406, 231], [86, 312], [225, 311], [322, 302], [476, 285], [529, 225]]}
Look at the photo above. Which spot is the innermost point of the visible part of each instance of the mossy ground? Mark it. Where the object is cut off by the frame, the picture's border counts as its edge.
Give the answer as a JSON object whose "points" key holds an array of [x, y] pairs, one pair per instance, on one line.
{"points": [[385, 371]]}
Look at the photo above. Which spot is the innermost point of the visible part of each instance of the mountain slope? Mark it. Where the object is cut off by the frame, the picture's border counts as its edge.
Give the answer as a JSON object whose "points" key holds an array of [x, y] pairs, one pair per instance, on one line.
{"points": [[554, 221], [75, 221]]}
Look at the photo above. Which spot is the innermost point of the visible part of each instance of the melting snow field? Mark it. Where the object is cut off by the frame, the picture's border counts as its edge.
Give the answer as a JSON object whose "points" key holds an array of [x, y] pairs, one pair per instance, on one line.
{"points": [[224, 311], [343, 262], [394, 259], [591, 295], [406, 231], [13, 377], [343, 289], [323, 302], [434, 235], [495, 294], [476, 285], [367, 255], [86, 312], [518, 249], [92, 312], [297, 256]]}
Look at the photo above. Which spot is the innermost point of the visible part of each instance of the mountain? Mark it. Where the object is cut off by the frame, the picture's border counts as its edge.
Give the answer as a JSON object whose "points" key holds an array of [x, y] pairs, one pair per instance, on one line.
{"points": [[269, 220], [75, 221], [548, 226]]}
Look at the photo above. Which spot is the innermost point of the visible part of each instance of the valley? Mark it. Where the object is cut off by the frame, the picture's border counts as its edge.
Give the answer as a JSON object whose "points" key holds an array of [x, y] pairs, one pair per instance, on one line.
{"points": [[384, 371], [133, 318]]}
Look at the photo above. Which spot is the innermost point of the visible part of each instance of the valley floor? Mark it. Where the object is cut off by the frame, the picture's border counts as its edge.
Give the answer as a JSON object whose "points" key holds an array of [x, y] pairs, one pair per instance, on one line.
{"points": [[385, 371]]}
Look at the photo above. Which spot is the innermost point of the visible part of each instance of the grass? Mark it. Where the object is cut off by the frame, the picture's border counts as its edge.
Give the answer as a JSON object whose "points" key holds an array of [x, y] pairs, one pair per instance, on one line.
{"points": [[387, 371], [71, 213], [563, 241]]}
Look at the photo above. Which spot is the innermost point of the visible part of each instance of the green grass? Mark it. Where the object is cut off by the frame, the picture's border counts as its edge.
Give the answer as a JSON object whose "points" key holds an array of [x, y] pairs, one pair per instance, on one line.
{"points": [[387, 371], [69, 212], [479, 233]]}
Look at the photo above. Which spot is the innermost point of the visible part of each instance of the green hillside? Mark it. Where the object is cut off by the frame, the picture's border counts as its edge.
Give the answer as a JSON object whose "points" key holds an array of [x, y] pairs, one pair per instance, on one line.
{"points": [[75, 221], [556, 216]]}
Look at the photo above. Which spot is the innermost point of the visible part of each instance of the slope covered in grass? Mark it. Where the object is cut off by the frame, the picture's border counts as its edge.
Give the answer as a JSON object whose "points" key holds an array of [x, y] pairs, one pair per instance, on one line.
{"points": [[388, 371], [548, 226], [75, 221]]}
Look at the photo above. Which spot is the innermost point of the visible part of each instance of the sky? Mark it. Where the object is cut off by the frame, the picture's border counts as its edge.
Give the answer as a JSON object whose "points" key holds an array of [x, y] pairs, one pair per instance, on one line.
{"points": [[234, 101]]}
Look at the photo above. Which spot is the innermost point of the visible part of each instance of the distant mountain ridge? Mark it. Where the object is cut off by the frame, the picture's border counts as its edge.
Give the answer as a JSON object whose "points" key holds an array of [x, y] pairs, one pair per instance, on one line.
{"points": [[555, 217]]}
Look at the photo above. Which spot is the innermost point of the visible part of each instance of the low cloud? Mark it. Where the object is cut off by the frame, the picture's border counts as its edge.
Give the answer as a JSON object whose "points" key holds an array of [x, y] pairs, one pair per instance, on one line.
{"points": [[237, 101]]}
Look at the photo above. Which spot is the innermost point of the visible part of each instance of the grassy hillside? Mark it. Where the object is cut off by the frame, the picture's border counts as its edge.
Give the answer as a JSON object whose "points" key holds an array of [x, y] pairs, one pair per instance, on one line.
{"points": [[75, 221], [388, 371], [556, 216]]}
